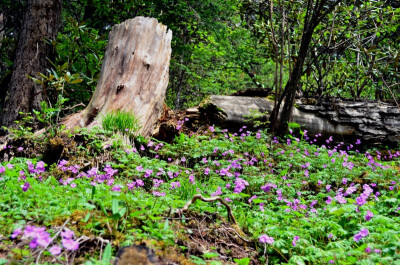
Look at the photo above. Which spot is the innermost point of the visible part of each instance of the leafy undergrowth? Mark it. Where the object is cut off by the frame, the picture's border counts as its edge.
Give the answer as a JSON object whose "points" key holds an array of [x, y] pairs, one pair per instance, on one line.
{"points": [[294, 203]]}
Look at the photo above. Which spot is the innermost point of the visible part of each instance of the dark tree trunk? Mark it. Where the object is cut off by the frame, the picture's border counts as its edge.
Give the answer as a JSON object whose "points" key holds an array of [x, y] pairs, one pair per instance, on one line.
{"points": [[314, 15], [41, 21], [293, 83]]}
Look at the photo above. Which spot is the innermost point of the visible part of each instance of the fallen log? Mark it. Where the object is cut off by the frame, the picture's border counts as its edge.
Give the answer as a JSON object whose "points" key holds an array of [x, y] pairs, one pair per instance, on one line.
{"points": [[134, 75], [375, 123]]}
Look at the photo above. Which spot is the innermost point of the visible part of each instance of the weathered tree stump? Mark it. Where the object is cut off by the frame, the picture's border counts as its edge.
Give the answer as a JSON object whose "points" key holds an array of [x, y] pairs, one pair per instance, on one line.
{"points": [[134, 75]]}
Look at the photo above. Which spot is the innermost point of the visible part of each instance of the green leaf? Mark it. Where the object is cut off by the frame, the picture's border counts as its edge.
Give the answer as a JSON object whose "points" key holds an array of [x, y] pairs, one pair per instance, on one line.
{"points": [[86, 218], [297, 260], [244, 261], [106, 255], [23, 252], [197, 260], [137, 213], [76, 81], [114, 206], [210, 255]]}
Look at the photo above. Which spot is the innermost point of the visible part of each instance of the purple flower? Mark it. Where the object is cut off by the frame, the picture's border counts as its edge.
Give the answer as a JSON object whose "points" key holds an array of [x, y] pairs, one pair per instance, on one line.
{"points": [[67, 233], [331, 261], [43, 239], [139, 183], [368, 216], [217, 192], [357, 237], [191, 179], [240, 185], [267, 187], [175, 184], [131, 185], [295, 239], [206, 171], [33, 243], [329, 200], [2, 169], [26, 186], [340, 199], [70, 244], [368, 250], [40, 167], [16, 233], [364, 232], [350, 190], [328, 188], [377, 251], [117, 188], [148, 173], [55, 250], [266, 239], [361, 200], [158, 194]]}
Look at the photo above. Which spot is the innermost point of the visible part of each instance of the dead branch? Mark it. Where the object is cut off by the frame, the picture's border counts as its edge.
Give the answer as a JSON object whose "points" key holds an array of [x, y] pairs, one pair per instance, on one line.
{"points": [[212, 199]]}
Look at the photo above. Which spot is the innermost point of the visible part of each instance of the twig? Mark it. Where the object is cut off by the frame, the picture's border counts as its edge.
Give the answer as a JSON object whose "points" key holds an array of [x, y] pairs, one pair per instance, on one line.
{"points": [[391, 92], [245, 240], [212, 199], [77, 105], [52, 239], [85, 238]]}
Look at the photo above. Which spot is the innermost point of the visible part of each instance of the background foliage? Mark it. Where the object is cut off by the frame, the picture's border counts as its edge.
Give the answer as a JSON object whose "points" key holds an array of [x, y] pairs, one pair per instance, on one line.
{"points": [[220, 47]]}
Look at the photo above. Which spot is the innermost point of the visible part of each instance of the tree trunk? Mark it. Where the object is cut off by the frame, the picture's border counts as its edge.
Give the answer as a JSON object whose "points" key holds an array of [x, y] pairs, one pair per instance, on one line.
{"points": [[1, 28], [134, 75], [41, 21], [292, 84]]}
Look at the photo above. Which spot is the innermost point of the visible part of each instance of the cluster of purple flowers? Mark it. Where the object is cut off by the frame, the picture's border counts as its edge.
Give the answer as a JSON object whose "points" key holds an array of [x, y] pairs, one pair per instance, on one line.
{"points": [[363, 233], [240, 185], [40, 237], [295, 239], [362, 199], [266, 239]]}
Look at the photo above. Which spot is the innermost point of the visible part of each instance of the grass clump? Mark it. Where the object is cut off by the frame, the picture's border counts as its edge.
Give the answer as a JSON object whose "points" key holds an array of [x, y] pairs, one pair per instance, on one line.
{"points": [[123, 122]]}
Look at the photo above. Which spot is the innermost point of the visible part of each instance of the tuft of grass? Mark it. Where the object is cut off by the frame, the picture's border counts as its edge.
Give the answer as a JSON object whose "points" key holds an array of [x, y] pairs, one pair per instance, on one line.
{"points": [[124, 122]]}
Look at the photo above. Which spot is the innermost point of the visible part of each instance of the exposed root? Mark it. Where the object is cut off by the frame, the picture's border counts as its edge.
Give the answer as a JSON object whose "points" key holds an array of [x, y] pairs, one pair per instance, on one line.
{"points": [[212, 199]]}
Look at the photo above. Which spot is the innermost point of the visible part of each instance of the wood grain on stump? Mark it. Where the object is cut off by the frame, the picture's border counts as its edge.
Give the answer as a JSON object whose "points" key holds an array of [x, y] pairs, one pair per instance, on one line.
{"points": [[134, 75]]}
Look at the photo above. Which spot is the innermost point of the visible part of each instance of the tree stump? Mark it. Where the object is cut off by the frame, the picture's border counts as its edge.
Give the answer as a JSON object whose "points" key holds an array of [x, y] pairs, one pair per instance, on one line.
{"points": [[134, 75]]}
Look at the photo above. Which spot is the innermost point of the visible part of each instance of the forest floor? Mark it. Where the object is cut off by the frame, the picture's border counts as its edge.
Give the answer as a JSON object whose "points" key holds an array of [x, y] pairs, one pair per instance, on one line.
{"points": [[74, 199]]}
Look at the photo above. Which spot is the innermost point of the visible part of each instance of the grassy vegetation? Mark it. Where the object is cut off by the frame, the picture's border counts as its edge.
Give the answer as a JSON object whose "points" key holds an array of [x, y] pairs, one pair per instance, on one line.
{"points": [[294, 203]]}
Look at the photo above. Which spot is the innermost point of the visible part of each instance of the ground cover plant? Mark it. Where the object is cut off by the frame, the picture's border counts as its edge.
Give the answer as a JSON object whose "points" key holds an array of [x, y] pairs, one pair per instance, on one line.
{"points": [[293, 202]]}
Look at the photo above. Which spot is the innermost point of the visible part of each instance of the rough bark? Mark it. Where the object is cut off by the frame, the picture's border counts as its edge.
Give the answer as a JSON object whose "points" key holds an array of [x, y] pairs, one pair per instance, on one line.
{"points": [[41, 21], [375, 123], [134, 75], [314, 14], [1, 28]]}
